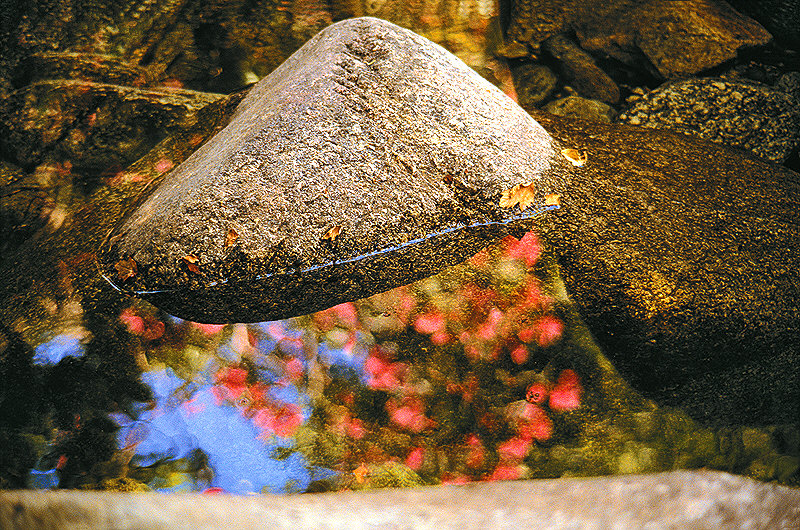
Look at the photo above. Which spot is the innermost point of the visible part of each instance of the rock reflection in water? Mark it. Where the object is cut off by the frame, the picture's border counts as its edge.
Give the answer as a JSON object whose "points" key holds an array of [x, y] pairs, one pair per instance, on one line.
{"points": [[480, 373]]}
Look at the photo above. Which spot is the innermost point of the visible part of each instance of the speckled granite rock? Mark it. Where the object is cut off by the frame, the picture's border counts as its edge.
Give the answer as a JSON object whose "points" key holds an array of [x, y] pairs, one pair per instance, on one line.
{"points": [[738, 113], [684, 499], [370, 159]]}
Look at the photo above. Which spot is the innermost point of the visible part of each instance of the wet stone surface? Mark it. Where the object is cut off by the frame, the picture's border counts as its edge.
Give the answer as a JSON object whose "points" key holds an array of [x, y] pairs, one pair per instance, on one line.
{"points": [[371, 158], [745, 114], [681, 255]]}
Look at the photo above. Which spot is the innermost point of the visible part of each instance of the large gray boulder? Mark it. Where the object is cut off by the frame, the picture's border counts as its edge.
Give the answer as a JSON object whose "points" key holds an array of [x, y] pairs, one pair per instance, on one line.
{"points": [[371, 158]]}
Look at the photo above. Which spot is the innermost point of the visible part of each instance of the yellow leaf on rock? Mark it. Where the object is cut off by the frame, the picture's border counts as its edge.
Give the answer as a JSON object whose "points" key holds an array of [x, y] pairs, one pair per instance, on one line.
{"points": [[522, 194], [332, 234], [576, 157]]}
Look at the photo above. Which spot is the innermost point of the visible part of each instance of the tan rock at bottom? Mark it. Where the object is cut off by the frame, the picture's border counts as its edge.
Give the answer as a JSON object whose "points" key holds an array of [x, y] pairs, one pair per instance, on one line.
{"points": [[682, 499]]}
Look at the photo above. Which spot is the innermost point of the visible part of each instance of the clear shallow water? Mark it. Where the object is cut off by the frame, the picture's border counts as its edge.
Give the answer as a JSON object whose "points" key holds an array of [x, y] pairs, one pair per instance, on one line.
{"points": [[481, 373]]}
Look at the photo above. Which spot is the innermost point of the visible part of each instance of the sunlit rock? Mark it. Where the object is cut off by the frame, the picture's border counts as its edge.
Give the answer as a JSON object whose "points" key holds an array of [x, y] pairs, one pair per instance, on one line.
{"points": [[371, 158]]}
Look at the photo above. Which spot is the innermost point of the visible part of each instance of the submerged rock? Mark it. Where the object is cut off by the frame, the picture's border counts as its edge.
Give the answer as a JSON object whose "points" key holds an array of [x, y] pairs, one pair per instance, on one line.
{"points": [[581, 108], [580, 71], [683, 258], [678, 37], [534, 84], [746, 114], [101, 127], [371, 158]]}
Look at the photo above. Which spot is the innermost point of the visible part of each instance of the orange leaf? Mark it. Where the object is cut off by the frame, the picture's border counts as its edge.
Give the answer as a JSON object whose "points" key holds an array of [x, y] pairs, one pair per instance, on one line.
{"points": [[191, 263], [576, 157], [333, 233], [230, 239], [552, 199], [126, 268]]}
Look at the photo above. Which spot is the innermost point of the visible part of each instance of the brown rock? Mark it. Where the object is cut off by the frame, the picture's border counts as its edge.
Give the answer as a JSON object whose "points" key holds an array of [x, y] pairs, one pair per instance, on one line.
{"points": [[679, 37], [580, 71], [683, 499], [685, 37], [682, 256], [581, 108], [99, 126], [534, 83]]}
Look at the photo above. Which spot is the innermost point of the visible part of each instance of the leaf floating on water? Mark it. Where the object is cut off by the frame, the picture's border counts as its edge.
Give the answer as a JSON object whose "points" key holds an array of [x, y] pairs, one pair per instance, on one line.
{"points": [[191, 263], [552, 199], [333, 233], [126, 268], [231, 238], [576, 157], [522, 194]]}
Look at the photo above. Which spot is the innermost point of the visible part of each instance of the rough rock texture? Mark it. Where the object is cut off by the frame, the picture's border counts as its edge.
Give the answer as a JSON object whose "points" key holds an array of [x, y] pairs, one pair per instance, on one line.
{"points": [[743, 114], [534, 84], [90, 67], [683, 256], [369, 159], [580, 71], [99, 126], [679, 37], [780, 17], [701, 499], [581, 108]]}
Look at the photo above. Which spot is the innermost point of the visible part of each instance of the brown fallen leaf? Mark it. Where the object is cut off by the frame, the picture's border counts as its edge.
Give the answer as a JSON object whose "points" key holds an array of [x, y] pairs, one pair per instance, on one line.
{"points": [[552, 199], [522, 194], [230, 239], [576, 157], [191, 263], [126, 268], [333, 233]]}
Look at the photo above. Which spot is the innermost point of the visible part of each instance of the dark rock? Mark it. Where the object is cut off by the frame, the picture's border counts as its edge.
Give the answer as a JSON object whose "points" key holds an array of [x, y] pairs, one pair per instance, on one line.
{"points": [[99, 126], [25, 204], [780, 17], [790, 84], [72, 66], [368, 129], [581, 108], [682, 255], [679, 37], [683, 499], [743, 114], [580, 71], [513, 50], [534, 83]]}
